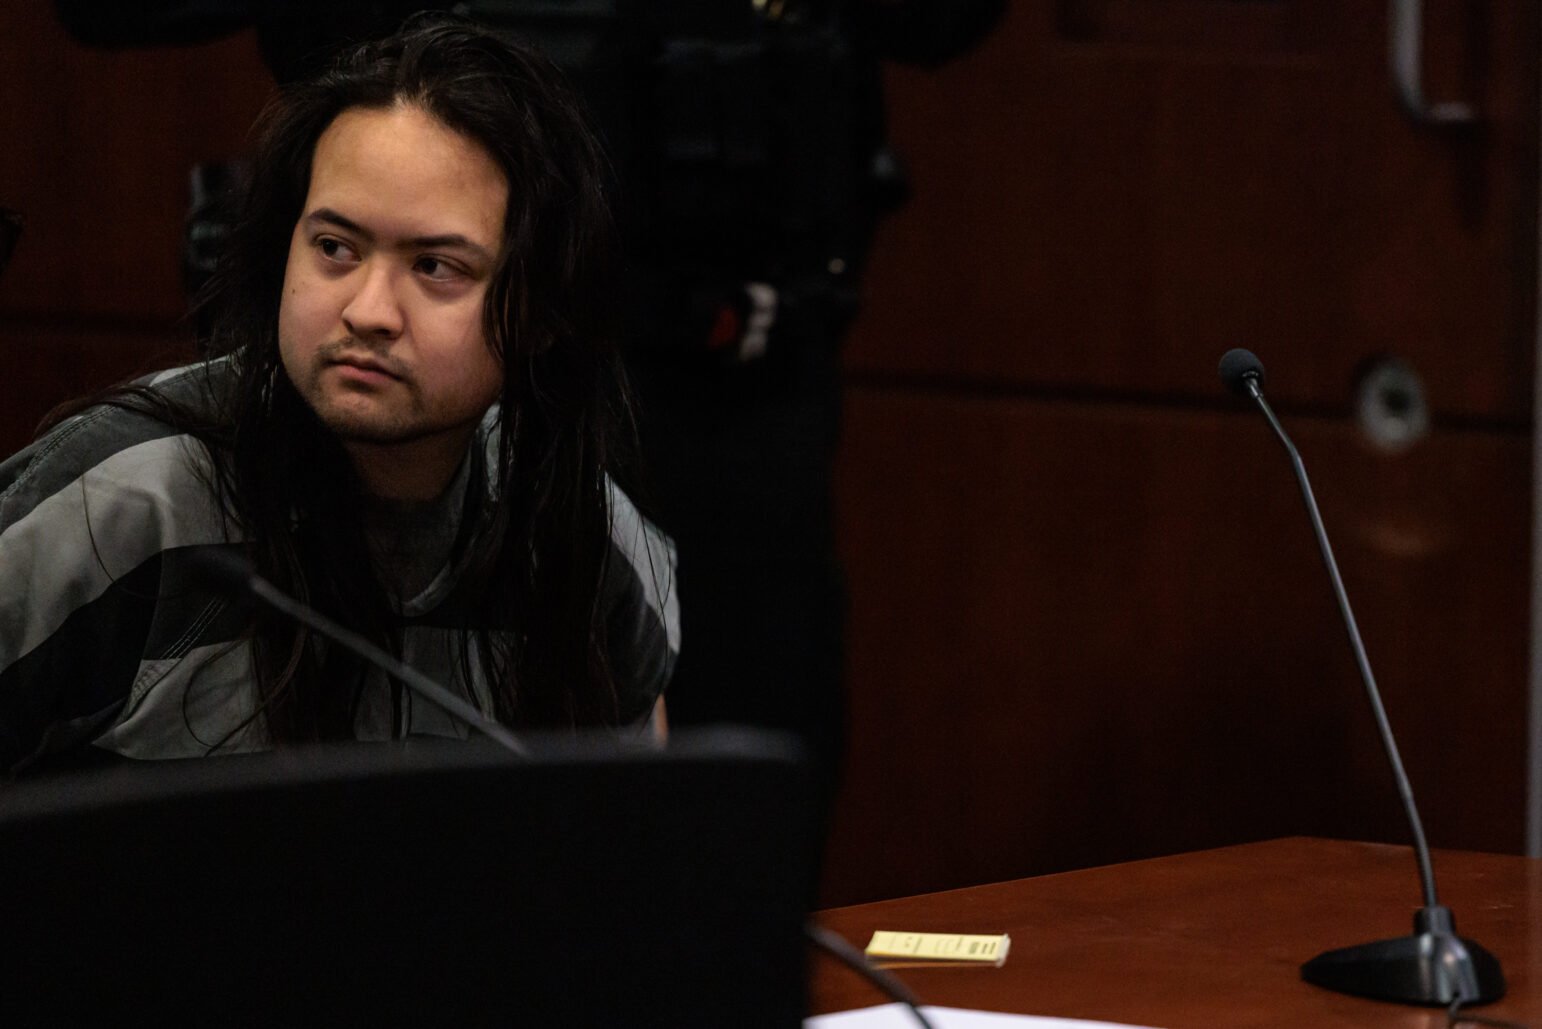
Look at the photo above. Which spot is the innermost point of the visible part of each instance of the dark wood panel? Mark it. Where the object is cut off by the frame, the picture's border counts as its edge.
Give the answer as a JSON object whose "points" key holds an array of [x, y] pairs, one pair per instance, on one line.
{"points": [[1195, 26], [1112, 206], [95, 152], [43, 366], [1086, 633]]}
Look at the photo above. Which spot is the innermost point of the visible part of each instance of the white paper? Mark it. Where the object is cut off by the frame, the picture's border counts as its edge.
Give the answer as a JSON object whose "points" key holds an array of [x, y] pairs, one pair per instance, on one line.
{"points": [[897, 1016]]}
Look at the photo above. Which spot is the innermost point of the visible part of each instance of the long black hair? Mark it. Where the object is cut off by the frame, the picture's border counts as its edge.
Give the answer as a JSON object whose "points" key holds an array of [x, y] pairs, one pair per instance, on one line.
{"points": [[536, 632]]}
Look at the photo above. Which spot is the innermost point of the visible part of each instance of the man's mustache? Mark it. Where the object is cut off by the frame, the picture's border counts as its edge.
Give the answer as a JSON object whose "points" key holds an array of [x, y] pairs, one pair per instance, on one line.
{"points": [[357, 352]]}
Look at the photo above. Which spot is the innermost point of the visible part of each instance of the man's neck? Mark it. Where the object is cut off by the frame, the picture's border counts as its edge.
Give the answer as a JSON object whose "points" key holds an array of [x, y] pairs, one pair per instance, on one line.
{"points": [[415, 471]]}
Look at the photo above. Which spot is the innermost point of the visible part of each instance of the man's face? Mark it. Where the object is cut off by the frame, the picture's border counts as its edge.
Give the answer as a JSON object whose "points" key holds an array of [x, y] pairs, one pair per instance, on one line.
{"points": [[380, 324]]}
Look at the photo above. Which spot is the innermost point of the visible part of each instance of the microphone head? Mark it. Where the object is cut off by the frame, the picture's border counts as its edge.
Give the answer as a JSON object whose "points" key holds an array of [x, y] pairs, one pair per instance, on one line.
{"points": [[225, 569], [1237, 366]]}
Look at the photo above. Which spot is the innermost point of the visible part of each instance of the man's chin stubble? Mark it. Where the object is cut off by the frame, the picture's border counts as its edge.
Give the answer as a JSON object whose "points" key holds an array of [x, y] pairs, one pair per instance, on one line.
{"points": [[352, 429]]}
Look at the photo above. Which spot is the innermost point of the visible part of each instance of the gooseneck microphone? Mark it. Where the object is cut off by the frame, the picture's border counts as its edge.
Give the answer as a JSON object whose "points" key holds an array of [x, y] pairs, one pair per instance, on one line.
{"points": [[236, 576], [1433, 966]]}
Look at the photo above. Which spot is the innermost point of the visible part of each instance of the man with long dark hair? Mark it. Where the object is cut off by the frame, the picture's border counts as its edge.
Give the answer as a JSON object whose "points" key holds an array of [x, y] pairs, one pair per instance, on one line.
{"points": [[411, 421]]}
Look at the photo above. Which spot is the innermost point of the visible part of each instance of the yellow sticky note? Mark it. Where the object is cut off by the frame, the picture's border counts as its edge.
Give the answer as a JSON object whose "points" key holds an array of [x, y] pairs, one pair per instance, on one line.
{"points": [[984, 950]]}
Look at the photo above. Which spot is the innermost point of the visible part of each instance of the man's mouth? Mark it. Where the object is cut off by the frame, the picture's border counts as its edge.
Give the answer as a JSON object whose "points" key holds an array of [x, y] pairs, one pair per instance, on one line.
{"points": [[364, 363]]}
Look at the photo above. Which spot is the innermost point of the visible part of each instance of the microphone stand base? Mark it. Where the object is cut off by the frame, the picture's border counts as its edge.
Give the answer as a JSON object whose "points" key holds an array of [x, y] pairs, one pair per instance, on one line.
{"points": [[1433, 967]]}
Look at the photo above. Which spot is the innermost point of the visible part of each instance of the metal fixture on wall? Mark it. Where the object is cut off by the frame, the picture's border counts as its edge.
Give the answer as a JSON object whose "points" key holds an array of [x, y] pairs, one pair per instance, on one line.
{"points": [[1405, 42], [1390, 405]]}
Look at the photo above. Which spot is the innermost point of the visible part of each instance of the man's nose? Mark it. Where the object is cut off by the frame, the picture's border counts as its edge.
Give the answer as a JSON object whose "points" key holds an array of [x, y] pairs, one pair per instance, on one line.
{"points": [[374, 311]]}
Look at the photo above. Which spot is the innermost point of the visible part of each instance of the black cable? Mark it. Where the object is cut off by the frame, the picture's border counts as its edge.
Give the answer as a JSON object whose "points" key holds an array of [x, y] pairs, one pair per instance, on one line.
{"points": [[836, 945]]}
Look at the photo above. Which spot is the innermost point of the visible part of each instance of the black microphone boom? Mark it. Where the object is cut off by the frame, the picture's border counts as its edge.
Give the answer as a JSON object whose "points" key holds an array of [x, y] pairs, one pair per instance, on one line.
{"points": [[1433, 966], [233, 574]]}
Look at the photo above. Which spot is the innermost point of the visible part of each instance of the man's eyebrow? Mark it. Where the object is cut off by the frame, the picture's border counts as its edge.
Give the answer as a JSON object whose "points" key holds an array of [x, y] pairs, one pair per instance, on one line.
{"points": [[449, 239], [331, 217], [452, 240]]}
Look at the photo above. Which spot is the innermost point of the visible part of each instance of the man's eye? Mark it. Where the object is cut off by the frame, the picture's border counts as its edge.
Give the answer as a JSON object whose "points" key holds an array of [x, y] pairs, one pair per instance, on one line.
{"points": [[334, 249], [438, 270]]}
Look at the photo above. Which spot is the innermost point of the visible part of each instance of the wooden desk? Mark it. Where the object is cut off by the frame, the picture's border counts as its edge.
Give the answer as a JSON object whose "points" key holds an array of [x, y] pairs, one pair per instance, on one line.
{"points": [[1212, 939]]}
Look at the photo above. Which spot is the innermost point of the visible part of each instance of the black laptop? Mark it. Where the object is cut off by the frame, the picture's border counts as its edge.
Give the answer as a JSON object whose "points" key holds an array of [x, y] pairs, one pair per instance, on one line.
{"points": [[593, 884]]}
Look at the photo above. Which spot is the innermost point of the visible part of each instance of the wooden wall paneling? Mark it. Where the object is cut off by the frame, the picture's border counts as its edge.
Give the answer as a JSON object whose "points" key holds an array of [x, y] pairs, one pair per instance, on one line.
{"points": [[1111, 202], [95, 152], [1088, 619], [43, 365], [1084, 633]]}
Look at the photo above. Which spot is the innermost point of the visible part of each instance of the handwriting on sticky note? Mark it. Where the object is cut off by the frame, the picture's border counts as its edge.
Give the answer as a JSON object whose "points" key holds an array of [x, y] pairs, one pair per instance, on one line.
{"points": [[983, 950]]}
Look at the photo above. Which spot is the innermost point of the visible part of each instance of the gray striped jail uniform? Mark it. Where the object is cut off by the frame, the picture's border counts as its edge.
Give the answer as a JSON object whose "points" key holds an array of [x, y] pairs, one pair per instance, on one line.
{"points": [[109, 638]]}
